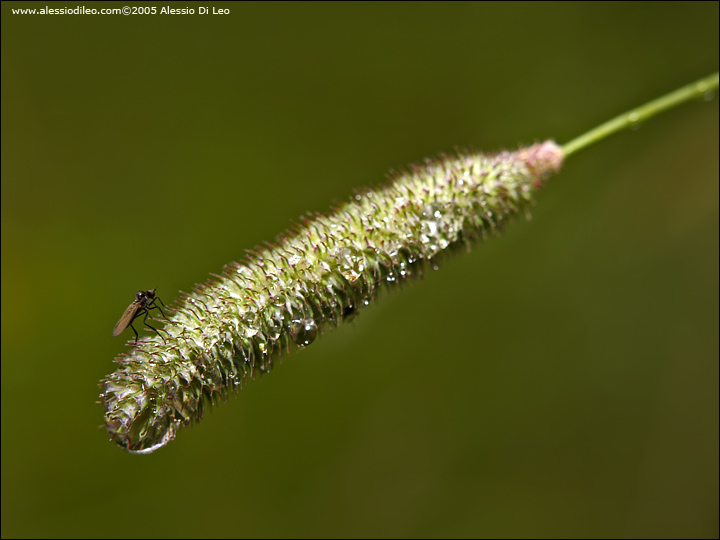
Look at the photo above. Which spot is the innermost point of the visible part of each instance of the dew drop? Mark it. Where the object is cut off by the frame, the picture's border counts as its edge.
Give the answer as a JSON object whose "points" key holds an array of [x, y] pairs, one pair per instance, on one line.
{"points": [[157, 439], [303, 332], [274, 329], [349, 312], [250, 331], [428, 228], [350, 262], [431, 211], [251, 325]]}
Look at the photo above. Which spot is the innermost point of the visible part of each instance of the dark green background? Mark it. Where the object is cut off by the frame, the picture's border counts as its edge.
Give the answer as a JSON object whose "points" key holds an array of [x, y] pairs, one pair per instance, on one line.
{"points": [[560, 380]]}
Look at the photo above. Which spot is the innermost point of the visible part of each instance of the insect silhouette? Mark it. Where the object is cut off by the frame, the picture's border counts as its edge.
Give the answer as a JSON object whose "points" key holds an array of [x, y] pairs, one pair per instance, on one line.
{"points": [[143, 303]]}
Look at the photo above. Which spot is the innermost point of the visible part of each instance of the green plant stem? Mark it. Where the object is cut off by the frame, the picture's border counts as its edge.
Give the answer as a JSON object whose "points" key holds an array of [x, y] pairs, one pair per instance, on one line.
{"points": [[638, 115]]}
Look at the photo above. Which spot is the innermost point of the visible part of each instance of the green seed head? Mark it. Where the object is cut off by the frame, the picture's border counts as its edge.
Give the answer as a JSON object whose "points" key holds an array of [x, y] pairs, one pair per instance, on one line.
{"points": [[322, 273]]}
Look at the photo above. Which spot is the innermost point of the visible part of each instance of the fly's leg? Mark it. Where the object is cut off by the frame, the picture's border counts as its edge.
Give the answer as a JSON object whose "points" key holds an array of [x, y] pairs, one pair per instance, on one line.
{"points": [[147, 312]]}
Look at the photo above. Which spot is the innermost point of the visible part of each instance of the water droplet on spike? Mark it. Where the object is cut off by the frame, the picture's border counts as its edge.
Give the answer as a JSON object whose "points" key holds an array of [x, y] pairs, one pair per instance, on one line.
{"points": [[350, 262], [303, 332]]}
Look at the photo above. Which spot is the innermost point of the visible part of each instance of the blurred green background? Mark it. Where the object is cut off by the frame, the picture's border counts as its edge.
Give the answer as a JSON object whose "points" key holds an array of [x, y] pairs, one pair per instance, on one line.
{"points": [[559, 380]]}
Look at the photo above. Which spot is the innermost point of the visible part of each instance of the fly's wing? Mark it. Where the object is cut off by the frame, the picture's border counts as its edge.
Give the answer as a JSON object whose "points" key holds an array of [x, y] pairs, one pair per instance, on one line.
{"points": [[126, 318]]}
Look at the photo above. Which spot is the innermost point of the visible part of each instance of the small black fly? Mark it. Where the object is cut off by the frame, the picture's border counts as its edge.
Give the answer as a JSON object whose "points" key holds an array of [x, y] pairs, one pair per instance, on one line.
{"points": [[143, 303]]}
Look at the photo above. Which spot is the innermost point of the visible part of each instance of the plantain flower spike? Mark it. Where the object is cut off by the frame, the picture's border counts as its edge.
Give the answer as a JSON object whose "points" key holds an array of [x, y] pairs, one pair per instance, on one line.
{"points": [[323, 272]]}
